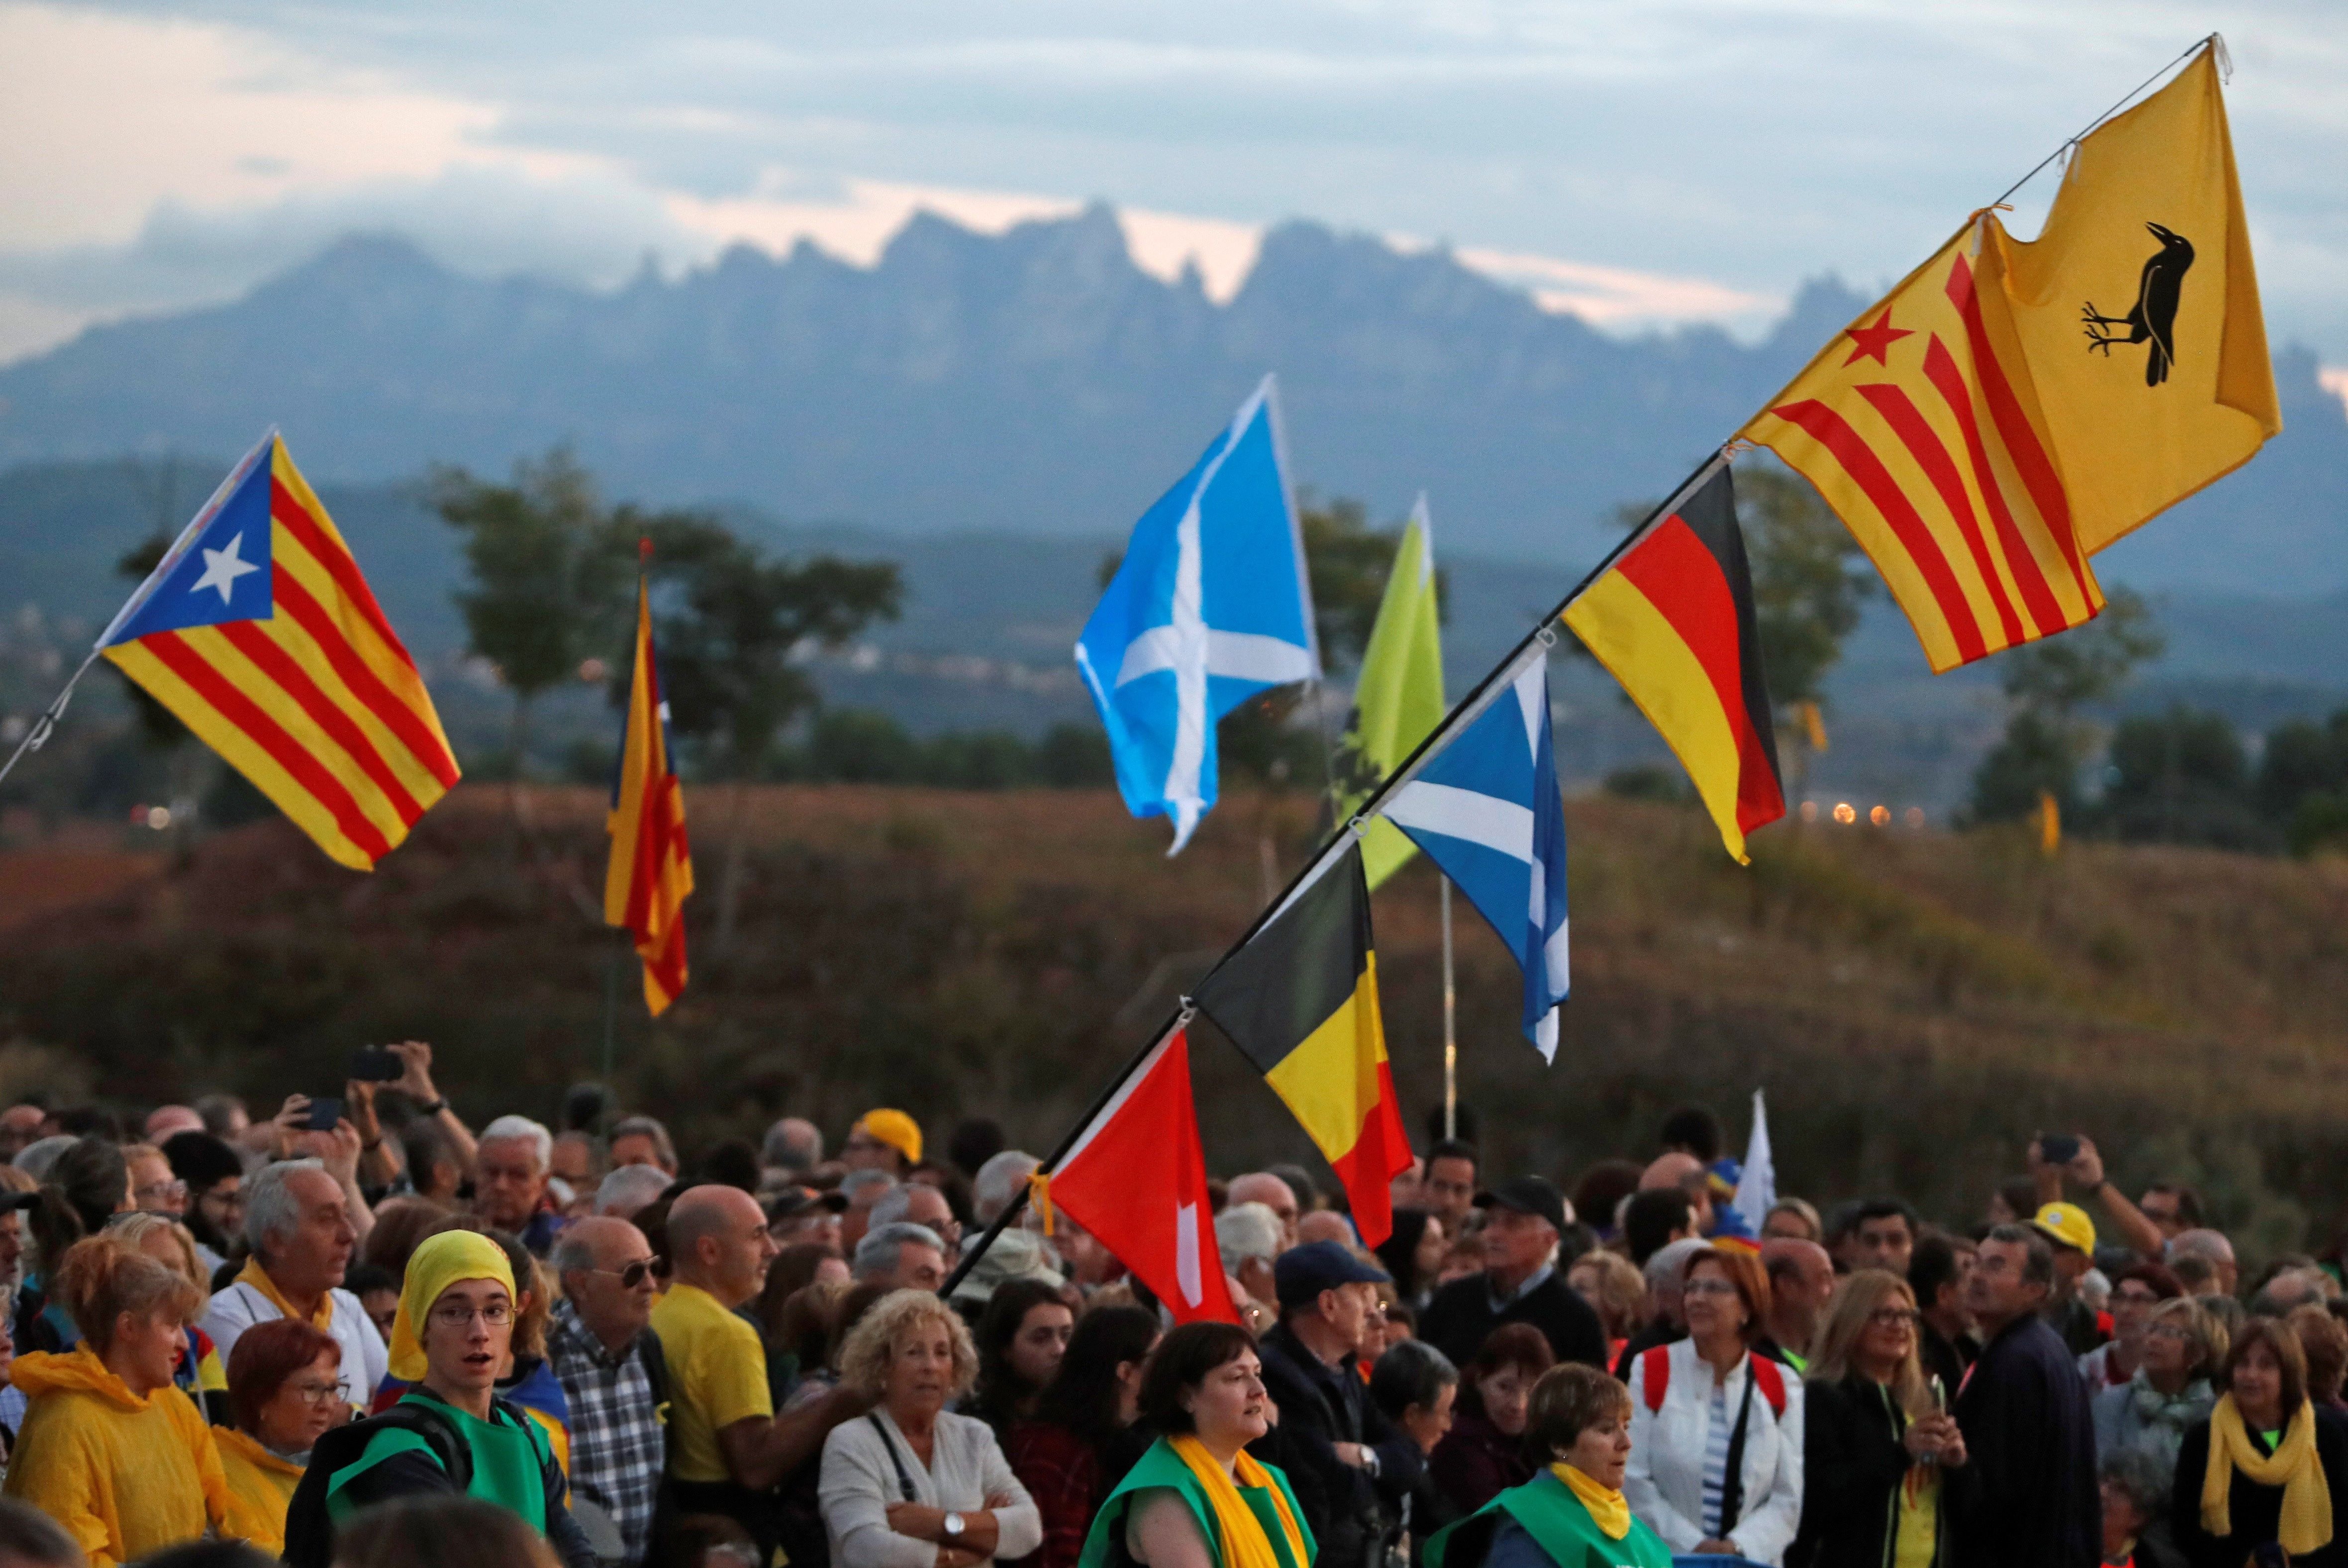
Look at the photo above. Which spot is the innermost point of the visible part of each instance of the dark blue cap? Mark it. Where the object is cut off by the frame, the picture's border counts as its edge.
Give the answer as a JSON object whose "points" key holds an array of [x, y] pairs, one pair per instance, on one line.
{"points": [[1301, 1274]]}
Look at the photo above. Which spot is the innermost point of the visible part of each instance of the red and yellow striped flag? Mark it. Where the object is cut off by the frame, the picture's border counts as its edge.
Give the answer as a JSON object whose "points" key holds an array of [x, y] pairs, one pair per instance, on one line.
{"points": [[258, 632], [650, 872], [2012, 407]]}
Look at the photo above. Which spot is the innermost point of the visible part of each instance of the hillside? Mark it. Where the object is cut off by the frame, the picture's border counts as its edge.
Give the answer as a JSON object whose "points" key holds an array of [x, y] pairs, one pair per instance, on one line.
{"points": [[1915, 1004], [1035, 383]]}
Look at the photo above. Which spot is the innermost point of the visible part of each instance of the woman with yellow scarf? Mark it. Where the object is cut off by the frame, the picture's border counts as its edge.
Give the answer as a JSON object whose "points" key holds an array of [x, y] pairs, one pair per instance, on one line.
{"points": [[2266, 1466], [1572, 1515], [1198, 1499]]}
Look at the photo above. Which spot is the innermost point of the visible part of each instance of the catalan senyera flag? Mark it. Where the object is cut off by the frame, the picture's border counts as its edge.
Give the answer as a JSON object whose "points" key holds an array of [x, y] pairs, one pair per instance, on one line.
{"points": [[651, 871], [2012, 407], [1301, 1002], [1673, 620], [258, 632]]}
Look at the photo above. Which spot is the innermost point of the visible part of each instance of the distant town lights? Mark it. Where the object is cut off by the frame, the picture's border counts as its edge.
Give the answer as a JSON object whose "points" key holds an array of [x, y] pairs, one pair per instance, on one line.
{"points": [[1881, 816], [1846, 813]]}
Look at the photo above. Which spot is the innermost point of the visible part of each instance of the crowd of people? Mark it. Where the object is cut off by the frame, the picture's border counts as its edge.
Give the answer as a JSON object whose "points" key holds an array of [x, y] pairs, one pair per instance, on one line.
{"points": [[370, 1334]]}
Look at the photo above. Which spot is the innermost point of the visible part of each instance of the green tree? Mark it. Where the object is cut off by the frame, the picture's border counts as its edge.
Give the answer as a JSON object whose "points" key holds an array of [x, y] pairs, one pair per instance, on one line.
{"points": [[2182, 778], [730, 624], [2047, 683], [548, 581]]}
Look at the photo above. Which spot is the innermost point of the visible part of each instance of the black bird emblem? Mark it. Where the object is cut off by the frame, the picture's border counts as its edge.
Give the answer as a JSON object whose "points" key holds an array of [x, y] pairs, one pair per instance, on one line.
{"points": [[2155, 316]]}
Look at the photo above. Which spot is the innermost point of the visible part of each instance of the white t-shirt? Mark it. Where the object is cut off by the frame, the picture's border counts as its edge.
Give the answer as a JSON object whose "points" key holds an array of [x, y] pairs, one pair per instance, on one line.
{"points": [[365, 1361]]}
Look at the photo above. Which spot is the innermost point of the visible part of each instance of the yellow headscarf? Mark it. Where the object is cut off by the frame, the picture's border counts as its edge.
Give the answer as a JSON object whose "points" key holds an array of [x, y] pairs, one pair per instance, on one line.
{"points": [[1240, 1538], [2306, 1522], [443, 1259]]}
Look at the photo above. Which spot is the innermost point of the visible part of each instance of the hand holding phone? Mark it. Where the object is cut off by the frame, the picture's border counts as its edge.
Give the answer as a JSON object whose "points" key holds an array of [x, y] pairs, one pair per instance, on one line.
{"points": [[324, 1114], [372, 1064], [2059, 1149]]}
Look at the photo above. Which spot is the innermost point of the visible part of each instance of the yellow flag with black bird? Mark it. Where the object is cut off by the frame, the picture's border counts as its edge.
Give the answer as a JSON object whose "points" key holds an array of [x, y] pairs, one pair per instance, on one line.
{"points": [[2015, 405]]}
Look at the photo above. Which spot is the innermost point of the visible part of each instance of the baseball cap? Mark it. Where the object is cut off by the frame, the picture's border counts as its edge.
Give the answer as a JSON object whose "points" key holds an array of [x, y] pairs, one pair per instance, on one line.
{"points": [[793, 1202], [895, 1129], [1301, 1274], [1526, 1195], [2068, 1225]]}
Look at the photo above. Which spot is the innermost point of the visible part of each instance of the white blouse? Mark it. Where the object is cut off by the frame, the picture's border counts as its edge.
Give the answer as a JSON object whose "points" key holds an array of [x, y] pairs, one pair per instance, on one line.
{"points": [[1663, 1480], [859, 1484]]}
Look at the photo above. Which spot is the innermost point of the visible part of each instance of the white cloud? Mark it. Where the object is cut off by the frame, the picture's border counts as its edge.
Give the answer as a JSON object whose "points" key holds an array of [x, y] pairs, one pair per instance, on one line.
{"points": [[2335, 378]]}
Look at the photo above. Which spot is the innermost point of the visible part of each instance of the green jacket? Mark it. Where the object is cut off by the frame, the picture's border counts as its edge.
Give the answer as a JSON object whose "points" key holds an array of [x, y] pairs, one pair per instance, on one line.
{"points": [[1162, 1466], [1559, 1524]]}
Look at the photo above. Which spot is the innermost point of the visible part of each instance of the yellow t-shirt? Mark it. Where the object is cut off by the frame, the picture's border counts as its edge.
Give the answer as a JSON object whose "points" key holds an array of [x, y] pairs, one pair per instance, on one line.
{"points": [[717, 1376]]}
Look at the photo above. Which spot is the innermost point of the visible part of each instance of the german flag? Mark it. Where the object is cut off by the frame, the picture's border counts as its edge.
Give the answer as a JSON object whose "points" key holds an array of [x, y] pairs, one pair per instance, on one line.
{"points": [[651, 870], [1673, 620], [258, 632], [1301, 1002]]}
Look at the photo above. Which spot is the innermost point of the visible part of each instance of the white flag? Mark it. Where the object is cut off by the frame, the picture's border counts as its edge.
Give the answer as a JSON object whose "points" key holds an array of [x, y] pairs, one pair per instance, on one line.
{"points": [[1756, 1187]]}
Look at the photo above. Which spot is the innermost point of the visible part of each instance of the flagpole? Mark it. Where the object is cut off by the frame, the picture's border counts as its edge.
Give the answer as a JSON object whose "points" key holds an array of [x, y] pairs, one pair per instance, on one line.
{"points": [[1450, 1018], [1467, 711], [38, 736]]}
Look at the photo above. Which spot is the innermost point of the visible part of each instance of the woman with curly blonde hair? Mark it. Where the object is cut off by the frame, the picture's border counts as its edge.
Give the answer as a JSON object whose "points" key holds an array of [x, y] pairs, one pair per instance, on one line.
{"points": [[914, 1485]]}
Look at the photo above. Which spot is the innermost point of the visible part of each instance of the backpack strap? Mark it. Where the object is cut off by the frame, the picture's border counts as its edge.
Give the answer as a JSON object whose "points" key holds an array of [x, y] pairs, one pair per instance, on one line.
{"points": [[1656, 1376], [1772, 1383]]}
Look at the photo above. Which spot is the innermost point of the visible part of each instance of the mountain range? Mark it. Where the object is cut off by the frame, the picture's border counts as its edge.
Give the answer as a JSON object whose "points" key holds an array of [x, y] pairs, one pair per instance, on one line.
{"points": [[1035, 383]]}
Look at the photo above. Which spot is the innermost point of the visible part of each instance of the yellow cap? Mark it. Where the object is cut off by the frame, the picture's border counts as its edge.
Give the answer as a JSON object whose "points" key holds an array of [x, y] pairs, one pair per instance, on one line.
{"points": [[443, 1259], [2067, 1224], [895, 1129]]}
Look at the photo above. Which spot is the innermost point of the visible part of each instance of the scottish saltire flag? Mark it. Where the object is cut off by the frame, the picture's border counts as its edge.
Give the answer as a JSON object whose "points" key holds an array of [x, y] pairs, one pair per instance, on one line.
{"points": [[258, 632], [1486, 809], [1210, 607]]}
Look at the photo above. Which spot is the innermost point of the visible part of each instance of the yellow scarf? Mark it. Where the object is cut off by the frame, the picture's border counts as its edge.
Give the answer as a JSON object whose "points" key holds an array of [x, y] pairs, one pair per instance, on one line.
{"points": [[2306, 1524], [254, 1275], [1243, 1542], [1608, 1510]]}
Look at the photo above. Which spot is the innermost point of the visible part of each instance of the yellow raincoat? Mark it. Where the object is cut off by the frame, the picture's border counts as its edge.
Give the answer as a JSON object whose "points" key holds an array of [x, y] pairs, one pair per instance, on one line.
{"points": [[261, 1482], [124, 1476]]}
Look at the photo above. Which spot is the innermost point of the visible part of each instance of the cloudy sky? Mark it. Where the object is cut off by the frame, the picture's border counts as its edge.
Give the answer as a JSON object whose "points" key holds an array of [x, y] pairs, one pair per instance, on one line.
{"points": [[1642, 161]]}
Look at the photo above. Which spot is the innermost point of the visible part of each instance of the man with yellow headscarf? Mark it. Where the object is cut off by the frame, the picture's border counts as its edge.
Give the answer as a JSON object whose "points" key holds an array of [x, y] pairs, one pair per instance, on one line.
{"points": [[450, 1433]]}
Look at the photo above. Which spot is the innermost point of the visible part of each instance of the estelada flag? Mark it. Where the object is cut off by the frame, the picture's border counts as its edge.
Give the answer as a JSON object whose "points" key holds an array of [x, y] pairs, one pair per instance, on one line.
{"points": [[258, 632], [1673, 620], [1137, 1180], [651, 871], [1301, 1002], [2013, 407]]}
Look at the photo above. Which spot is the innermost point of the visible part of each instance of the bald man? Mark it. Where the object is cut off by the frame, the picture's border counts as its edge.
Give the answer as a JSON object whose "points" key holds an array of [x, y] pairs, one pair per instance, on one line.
{"points": [[729, 1448], [1687, 1173], [1326, 1225], [1263, 1187], [1801, 1284]]}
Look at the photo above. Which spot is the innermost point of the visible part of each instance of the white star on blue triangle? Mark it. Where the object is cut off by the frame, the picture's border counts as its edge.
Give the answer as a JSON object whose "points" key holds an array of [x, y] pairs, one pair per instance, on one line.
{"points": [[218, 570]]}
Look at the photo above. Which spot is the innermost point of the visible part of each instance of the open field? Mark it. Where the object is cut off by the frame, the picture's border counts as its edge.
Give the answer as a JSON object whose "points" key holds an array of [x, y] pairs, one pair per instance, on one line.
{"points": [[1915, 1004]]}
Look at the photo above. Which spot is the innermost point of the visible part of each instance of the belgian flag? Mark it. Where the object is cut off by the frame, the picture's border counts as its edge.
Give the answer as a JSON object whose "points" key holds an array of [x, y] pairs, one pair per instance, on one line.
{"points": [[1301, 1002], [1673, 620]]}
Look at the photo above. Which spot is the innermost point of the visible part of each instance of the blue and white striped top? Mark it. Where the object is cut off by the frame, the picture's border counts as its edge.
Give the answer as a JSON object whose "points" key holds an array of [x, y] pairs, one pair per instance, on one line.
{"points": [[1716, 1459]]}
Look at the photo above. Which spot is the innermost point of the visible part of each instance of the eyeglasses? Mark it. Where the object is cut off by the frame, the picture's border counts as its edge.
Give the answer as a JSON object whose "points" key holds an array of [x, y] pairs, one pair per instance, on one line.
{"points": [[2167, 1331], [317, 1393], [1708, 1287], [628, 1277], [497, 1315], [1892, 1317], [161, 1191]]}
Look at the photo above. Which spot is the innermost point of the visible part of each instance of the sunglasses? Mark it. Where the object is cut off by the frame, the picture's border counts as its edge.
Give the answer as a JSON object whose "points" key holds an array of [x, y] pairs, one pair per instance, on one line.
{"points": [[630, 1276]]}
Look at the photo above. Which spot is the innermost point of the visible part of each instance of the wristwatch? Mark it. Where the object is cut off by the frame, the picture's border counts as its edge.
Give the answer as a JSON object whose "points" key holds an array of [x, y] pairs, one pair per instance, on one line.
{"points": [[954, 1526]]}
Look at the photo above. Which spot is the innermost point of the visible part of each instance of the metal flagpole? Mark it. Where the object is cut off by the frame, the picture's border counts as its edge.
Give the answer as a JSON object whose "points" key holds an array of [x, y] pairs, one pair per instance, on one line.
{"points": [[1450, 1020], [1538, 642]]}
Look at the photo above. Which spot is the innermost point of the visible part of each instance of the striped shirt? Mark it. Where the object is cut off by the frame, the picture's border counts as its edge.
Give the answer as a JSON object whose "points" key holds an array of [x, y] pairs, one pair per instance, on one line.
{"points": [[1716, 1458]]}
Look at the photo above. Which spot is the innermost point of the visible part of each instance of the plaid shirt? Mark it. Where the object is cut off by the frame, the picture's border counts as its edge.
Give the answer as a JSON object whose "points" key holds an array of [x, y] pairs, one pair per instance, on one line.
{"points": [[618, 1441]]}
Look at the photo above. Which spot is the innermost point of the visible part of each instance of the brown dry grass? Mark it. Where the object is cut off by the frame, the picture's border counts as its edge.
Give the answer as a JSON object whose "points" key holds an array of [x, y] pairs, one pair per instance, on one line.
{"points": [[1915, 1003]]}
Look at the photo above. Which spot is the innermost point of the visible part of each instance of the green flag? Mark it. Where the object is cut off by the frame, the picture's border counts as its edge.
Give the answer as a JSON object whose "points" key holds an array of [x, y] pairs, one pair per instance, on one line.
{"points": [[1399, 700]]}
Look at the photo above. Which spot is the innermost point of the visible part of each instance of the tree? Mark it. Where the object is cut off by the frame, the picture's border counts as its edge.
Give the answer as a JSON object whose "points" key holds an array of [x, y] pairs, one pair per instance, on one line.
{"points": [[2046, 685], [547, 581], [2181, 777], [729, 624]]}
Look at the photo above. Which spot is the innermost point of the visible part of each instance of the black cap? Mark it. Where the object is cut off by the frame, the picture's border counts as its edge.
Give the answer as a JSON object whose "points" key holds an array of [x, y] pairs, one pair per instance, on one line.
{"points": [[1301, 1274], [1526, 1195], [10, 1203], [797, 1200]]}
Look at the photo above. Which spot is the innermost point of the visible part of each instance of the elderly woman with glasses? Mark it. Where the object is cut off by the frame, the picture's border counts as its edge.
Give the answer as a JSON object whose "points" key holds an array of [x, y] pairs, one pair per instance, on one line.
{"points": [[1876, 1437], [2171, 1391], [1716, 1464], [284, 1388], [453, 1334]]}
